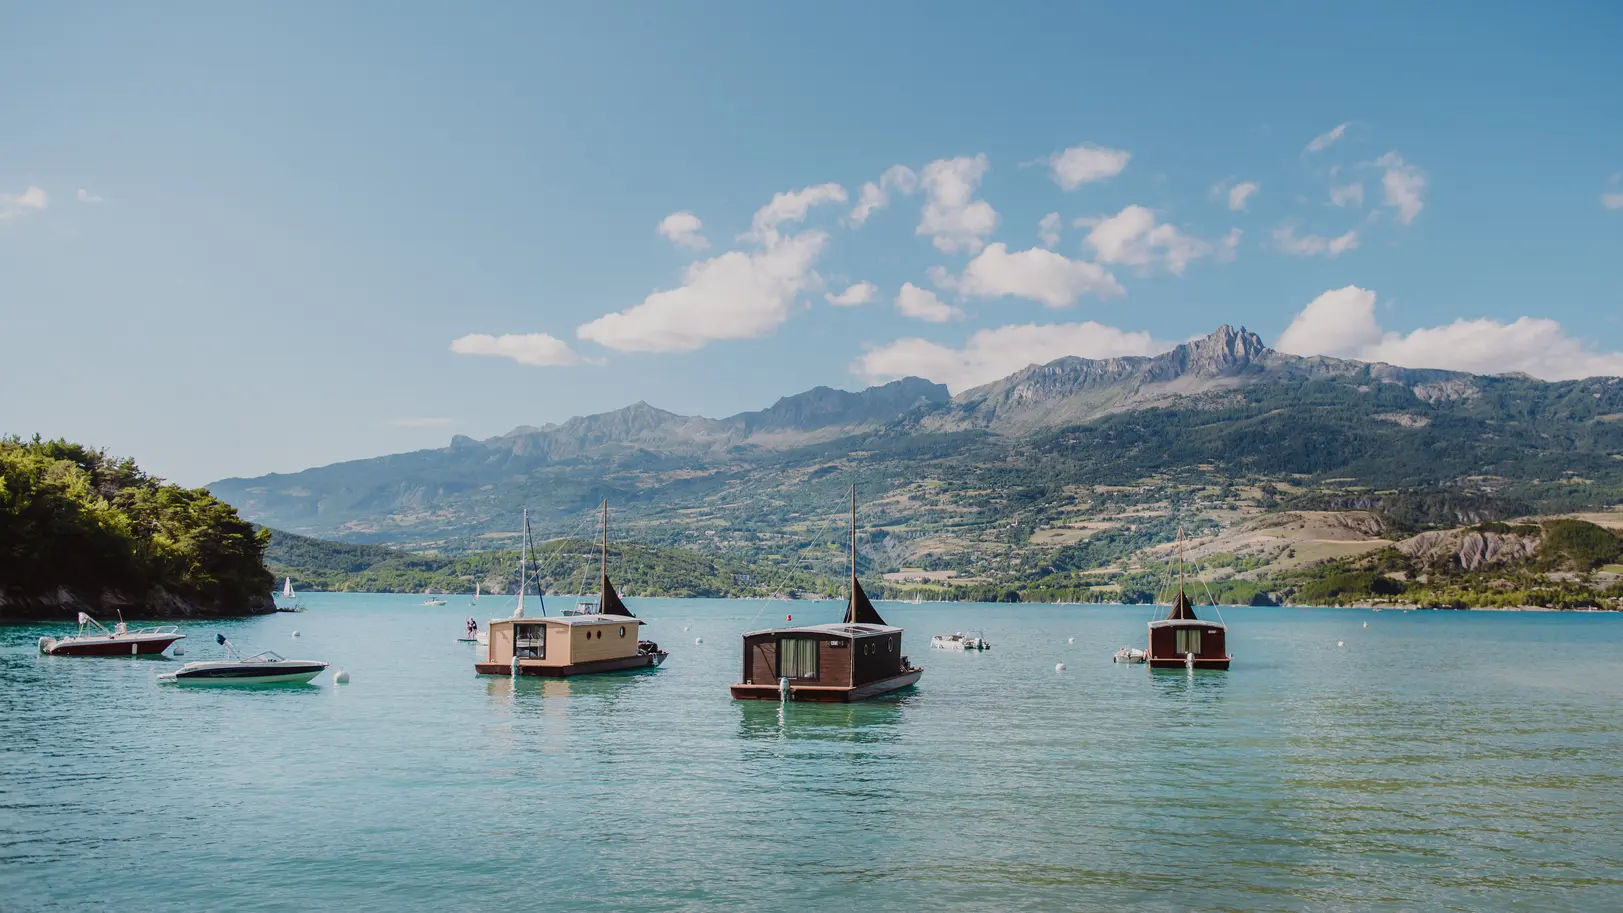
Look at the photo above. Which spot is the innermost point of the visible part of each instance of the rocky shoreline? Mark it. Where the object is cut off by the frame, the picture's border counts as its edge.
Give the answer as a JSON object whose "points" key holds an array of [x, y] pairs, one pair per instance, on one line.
{"points": [[158, 604]]}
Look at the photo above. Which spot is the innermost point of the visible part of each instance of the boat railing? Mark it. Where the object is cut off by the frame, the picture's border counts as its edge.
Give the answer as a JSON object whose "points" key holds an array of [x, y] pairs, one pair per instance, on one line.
{"points": [[156, 629]]}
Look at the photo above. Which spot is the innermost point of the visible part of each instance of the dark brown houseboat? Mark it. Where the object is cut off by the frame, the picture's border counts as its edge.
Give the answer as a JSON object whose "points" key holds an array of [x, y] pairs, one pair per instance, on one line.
{"points": [[605, 640], [1183, 641], [859, 658]]}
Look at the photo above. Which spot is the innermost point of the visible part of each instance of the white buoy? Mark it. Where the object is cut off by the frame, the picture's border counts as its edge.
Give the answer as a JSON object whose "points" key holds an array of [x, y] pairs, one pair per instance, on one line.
{"points": [[1070, 640], [684, 627], [1341, 643], [698, 640], [179, 650], [341, 677], [1059, 667], [1366, 624], [295, 634]]}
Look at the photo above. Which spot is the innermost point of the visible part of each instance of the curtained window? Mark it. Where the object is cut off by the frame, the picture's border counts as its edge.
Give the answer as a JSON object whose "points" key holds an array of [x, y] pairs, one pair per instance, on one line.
{"points": [[1188, 641], [797, 657]]}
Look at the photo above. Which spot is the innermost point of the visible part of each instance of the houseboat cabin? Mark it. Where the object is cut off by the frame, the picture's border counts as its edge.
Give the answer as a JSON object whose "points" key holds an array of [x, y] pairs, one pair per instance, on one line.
{"points": [[1181, 640], [859, 658], [605, 640]]}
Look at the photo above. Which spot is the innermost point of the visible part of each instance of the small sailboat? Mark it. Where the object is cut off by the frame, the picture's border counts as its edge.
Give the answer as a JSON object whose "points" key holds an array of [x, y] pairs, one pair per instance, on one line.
{"points": [[292, 604], [265, 668], [575, 644], [475, 594], [287, 588], [1183, 640], [859, 658]]}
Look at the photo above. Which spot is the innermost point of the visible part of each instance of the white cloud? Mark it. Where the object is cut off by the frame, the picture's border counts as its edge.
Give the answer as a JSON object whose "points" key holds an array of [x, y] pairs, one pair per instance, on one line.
{"points": [[1403, 185], [86, 196], [874, 197], [1324, 140], [855, 294], [1085, 164], [1287, 240], [737, 295], [1237, 195], [683, 230], [1348, 195], [1132, 237], [995, 353], [1048, 230], [1612, 200], [790, 206], [538, 349], [1341, 323], [422, 422], [1037, 274], [924, 305], [31, 200], [952, 217]]}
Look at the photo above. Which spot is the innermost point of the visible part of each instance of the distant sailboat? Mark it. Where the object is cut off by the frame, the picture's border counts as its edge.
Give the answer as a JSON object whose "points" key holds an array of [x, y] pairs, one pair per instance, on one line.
{"points": [[475, 595], [287, 588]]}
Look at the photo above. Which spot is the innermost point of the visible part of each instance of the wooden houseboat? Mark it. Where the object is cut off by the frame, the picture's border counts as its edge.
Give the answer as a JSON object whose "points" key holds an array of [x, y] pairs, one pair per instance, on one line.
{"points": [[605, 641], [859, 658], [1183, 641]]}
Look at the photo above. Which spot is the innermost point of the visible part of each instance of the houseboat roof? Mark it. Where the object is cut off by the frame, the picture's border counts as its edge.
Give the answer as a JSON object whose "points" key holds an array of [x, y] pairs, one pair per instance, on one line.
{"points": [[841, 628], [573, 620], [1186, 623]]}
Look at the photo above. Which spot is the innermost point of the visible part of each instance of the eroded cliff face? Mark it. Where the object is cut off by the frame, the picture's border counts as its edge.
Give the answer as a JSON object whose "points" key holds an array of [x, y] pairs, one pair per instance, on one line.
{"points": [[65, 605], [1469, 549]]}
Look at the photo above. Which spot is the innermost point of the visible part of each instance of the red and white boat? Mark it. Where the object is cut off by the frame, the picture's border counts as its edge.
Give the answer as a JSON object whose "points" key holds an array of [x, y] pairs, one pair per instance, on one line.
{"points": [[95, 640]]}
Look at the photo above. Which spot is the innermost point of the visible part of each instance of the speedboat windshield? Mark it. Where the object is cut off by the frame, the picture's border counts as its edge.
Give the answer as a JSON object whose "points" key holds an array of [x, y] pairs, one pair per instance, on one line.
{"points": [[266, 657]]}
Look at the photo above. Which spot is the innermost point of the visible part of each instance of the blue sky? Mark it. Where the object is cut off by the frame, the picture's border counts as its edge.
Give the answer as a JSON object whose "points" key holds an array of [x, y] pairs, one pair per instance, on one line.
{"points": [[247, 239]]}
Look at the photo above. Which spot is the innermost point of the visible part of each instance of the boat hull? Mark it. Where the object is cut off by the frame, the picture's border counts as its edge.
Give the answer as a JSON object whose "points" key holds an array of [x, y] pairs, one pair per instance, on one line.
{"points": [[299, 675], [1178, 662], [621, 664], [146, 646], [826, 693]]}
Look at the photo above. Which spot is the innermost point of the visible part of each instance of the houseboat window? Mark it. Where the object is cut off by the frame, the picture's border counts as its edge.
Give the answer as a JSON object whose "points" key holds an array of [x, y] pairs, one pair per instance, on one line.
{"points": [[530, 641], [622, 630], [1188, 640], [797, 657]]}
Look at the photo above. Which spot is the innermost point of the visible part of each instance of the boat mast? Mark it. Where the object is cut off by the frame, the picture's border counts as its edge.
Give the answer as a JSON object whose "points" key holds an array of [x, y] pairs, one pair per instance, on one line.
{"points": [[523, 566], [853, 593], [1180, 560], [603, 566]]}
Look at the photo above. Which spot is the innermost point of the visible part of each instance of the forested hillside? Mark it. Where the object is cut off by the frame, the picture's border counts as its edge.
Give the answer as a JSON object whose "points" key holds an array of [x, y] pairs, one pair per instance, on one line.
{"points": [[82, 530]]}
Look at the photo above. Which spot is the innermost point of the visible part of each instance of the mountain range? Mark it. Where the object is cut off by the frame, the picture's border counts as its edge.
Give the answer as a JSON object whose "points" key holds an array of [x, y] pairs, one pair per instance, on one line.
{"points": [[1042, 465]]}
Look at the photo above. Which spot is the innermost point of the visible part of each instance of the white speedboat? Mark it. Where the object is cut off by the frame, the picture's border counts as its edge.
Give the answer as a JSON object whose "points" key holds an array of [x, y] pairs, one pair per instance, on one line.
{"points": [[960, 640], [265, 668], [94, 640], [1130, 655]]}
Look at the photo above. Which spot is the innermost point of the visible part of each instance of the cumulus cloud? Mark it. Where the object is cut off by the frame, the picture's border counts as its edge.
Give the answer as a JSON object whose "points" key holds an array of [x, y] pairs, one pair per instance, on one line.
{"points": [[538, 349], [86, 196], [855, 294], [422, 422], [736, 295], [790, 206], [1037, 274], [898, 179], [1048, 230], [1236, 195], [1324, 140], [1342, 323], [952, 217], [1085, 164], [31, 200], [1287, 240], [1612, 199], [1402, 185], [1348, 194], [1133, 237], [924, 305], [990, 354], [682, 228]]}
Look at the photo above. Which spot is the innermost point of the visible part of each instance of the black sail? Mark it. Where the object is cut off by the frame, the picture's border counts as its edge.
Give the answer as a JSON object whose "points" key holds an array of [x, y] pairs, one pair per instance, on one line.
{"points": [[859, 610], [610, 603], [1182, 609]]}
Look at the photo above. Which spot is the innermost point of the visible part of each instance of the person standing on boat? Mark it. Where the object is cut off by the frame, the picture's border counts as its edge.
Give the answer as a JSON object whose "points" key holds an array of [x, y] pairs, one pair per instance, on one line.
{"points": [[473, 627]]}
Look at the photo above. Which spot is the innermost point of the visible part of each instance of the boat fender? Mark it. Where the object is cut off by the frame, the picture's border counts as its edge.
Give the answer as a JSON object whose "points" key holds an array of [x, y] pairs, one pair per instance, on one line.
{"points": [[133, 648], [1059, 667], [515, 664], [341, 677]]}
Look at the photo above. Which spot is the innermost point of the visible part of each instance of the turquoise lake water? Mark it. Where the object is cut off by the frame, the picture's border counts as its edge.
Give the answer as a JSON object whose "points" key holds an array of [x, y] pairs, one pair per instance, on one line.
{"points": [[1437, 760]]}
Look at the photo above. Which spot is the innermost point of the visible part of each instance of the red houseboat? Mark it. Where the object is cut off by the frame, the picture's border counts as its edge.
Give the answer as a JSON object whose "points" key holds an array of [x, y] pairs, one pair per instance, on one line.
{"points": [[1183, 641], [859, 658]]}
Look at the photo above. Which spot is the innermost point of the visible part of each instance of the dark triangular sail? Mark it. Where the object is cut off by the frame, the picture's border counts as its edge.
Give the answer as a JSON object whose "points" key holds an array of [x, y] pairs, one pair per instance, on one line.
{"points": [[858, 610], [1182, 608], [610, 603]]}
